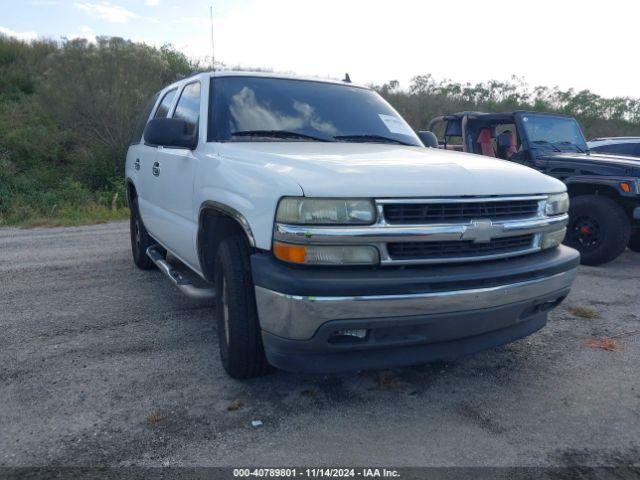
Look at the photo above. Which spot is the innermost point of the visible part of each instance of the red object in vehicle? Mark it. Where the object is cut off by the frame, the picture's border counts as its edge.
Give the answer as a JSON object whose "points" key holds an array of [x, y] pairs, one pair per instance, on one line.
{"points": [[485, 143]]}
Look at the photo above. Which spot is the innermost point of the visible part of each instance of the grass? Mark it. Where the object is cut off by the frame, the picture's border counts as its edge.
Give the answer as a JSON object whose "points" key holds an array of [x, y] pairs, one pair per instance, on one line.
{"points": [[26, 217]]}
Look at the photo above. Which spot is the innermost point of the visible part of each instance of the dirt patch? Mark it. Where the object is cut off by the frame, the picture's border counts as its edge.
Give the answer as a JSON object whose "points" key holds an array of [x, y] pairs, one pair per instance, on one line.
{"points": [[583, 312], [235, 405]]}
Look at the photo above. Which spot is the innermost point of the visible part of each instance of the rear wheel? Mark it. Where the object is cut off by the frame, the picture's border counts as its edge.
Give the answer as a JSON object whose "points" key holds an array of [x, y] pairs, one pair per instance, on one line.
{"points": [[239, 338], [598, 228], [140, 238], [634, 242]]}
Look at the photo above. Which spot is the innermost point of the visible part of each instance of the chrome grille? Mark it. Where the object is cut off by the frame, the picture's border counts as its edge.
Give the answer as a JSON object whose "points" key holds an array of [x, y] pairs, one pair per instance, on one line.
{"points": [[460, 249], [420, 213], [414, 231]]}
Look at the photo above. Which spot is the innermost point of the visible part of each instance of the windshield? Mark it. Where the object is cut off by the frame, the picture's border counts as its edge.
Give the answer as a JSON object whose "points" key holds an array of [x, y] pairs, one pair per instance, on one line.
{"points": [[556, 131], [272, 109]]}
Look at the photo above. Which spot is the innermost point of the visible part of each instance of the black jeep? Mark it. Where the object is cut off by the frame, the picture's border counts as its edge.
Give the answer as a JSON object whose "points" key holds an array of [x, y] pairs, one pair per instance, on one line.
{"points": [[604, 189]]}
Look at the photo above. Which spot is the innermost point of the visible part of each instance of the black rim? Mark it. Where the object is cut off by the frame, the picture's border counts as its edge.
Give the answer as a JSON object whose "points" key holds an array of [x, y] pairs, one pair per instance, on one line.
{"points": [[585, 232]]}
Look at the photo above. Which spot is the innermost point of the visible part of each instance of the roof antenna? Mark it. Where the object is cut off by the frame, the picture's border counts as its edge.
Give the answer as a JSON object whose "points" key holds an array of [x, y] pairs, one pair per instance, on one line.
{"points": [[347, 78], [213, 63]]}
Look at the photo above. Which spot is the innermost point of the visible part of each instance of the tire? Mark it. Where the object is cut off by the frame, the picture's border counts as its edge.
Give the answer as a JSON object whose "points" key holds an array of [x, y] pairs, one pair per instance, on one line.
{"points": [[140, 239], [598, 228], [634, 242], [239, 337]]}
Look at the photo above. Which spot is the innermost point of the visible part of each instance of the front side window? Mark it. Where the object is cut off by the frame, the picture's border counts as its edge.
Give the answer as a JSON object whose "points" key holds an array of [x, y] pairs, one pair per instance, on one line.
{"points": [[274, 109], [552, 131], [165, 104], [188, 108]]}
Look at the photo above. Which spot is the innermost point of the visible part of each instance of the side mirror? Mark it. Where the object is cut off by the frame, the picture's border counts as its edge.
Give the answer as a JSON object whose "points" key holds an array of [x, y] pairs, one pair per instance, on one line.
{"points": [[169, 132], [429, 139]]}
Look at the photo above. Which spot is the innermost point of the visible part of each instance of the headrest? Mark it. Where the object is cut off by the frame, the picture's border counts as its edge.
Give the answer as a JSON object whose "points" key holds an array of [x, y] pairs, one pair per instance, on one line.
{"points": [[484, 136]]}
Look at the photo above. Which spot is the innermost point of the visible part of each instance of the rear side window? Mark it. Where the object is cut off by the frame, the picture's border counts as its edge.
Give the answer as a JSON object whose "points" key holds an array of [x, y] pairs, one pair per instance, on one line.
{"points": [[165, 104], [141, 121], [188, 108]]}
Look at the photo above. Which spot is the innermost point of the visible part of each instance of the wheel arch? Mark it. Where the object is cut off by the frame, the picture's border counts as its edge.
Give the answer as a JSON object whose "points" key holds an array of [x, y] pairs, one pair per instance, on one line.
{"points": [[130, 191], [594, 186], [217, 221]]}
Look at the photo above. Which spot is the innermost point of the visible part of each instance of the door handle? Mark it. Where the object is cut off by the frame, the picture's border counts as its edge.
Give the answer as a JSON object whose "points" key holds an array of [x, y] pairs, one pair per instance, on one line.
{"points": [[156, 169], [136, 164]]}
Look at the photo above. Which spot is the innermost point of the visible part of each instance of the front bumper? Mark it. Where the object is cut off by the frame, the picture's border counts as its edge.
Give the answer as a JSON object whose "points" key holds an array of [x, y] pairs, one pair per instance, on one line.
{"points": [[412, 315]]}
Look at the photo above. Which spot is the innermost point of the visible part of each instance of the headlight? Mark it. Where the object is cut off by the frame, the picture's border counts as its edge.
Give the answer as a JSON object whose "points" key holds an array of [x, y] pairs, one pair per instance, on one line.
{"points": [[557, 204], [325, 211], [552, 239], [326, 255]]}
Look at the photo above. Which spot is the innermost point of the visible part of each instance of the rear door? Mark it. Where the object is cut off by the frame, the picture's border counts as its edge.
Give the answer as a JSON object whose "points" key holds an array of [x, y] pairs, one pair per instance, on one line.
{"points": [[144, 165], [173, 180], [137, 149]]}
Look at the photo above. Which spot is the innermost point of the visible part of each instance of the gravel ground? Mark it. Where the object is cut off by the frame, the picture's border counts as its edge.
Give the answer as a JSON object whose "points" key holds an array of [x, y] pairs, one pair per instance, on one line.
{"points": [[103, 364]]}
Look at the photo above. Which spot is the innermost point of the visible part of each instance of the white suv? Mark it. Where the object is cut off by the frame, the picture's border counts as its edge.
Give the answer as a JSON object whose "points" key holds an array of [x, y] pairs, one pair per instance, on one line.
{"points": [[329, 236]]}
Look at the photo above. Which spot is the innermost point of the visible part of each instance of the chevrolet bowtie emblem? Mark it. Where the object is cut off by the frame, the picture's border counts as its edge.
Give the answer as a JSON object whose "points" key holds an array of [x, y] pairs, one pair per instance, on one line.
{"points": [[481, 231]]}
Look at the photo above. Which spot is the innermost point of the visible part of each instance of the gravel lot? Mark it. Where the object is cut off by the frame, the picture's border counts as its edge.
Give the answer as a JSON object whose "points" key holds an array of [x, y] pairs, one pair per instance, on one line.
{"points": [[101, 363]]}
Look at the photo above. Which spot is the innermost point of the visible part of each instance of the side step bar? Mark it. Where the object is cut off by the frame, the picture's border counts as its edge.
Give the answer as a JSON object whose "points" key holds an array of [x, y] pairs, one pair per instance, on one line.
{"points": [[180, 281]]}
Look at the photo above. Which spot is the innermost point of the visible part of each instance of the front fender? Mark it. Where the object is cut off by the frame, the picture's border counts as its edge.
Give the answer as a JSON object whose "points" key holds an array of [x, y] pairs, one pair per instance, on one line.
{"points": [[254, 211], [608, 181]]}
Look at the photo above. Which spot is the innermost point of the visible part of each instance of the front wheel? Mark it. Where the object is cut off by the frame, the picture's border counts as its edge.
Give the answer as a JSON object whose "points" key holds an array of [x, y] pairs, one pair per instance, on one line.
{"points": [[598, 228], [239, 337]]}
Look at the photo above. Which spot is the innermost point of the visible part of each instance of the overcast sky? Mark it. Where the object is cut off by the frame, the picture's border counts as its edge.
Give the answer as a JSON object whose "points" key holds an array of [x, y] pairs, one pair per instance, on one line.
{"points": [[580, 44]]}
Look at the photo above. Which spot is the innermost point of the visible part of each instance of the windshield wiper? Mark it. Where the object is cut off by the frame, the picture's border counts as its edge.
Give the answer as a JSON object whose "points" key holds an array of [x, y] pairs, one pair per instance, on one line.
{"points": [[572, 144], [371, 139], [544, 142], [279, 134]]}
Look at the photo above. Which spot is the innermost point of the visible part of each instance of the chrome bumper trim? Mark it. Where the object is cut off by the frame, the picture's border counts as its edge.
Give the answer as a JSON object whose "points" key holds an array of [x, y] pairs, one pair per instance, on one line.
{"points": [[302, 234], [381, 233], [298, 317], [390, 201]]}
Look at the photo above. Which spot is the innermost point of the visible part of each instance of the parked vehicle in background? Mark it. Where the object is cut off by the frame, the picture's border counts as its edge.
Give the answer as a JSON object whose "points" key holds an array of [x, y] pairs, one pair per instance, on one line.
{"points": [[604, 189], [329, 236], [616, 146]]}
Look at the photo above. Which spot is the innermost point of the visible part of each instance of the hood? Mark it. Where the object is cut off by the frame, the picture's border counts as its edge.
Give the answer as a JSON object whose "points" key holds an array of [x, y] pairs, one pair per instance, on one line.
{"points": [[600, 164], [375, 170]]}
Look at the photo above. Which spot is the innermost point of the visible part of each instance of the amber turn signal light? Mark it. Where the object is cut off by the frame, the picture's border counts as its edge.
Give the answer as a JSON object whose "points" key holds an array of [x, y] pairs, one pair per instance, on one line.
{"points": [[289, 253]]}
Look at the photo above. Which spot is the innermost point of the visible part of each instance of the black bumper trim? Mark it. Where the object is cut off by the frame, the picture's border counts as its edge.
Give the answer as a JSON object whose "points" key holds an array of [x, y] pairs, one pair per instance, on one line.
{"points": [[417, 340]]}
